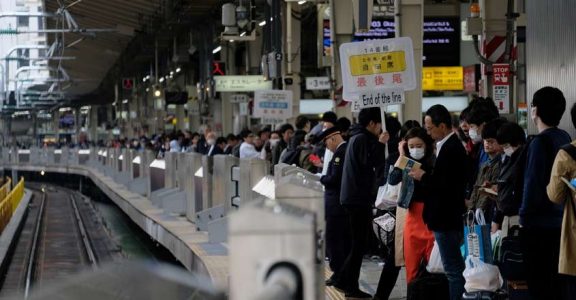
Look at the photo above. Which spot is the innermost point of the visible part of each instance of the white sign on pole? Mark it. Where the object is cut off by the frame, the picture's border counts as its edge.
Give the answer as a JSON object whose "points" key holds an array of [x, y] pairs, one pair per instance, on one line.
{"points": [[378, 99], [243, 111], [241, 83], [238, 98], [317, 83], [272, 104], [377, 65]]}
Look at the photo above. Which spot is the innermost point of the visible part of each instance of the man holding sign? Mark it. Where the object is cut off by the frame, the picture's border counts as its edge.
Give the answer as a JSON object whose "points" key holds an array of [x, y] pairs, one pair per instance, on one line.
{"points": [[363, 156]]}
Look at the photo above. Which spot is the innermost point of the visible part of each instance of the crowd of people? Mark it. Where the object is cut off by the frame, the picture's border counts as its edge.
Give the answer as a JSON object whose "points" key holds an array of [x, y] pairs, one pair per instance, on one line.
{"points": [[476, 161]]}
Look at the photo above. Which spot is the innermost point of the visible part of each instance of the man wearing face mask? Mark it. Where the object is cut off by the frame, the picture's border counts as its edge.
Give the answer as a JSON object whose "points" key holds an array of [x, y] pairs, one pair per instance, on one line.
{"points": [[213, 148], [489, 171], [512, 138], [540, 218]]}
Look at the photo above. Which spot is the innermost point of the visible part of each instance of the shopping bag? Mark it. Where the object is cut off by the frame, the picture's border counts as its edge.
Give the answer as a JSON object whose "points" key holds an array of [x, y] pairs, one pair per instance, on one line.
{"points": [[387, 196], [435, 265], [384, 227], [481, 276], [477, 241]]}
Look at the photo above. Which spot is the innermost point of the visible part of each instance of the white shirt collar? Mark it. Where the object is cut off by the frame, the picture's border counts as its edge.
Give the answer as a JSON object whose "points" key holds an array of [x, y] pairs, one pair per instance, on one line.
{"points": [[442, 142]]}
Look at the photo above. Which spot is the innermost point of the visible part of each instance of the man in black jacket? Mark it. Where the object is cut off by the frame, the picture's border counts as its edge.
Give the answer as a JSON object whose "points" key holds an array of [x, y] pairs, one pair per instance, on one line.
{"points": [[358, 193], [444, 207], [337, 229]]}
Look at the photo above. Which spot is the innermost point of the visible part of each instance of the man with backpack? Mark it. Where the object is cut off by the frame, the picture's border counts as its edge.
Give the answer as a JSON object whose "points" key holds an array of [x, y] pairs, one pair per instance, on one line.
{"points": [[540, 218], [560, 193]]}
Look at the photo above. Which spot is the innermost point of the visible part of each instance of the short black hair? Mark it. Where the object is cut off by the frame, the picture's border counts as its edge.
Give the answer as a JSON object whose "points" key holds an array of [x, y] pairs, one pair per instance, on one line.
{"points": [[369, 114], [407, 126], [490, 130], [220, 140], [285, 127], [464, 114], [393, 126], [343, 124], [301, 121], [265, 129], [482, 110], [329, 117], [231, 137], [573, 114], [244, 133], [550, 104], [511, 133], [439, 114]]}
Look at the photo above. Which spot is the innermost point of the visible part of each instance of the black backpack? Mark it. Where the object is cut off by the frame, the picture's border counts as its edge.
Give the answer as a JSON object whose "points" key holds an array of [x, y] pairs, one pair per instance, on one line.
{"points": [[292, 157], [428, 286], [511, 262]]}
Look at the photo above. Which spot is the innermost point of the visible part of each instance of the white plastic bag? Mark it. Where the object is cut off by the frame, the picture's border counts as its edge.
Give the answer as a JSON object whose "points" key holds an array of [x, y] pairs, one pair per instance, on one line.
{"points": [[435, 264], [481, 276], [387, 197]]}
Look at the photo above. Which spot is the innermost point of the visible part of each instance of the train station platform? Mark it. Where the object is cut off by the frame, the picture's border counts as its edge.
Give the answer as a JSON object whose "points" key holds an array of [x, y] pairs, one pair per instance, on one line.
{"points": [[175, 231]]}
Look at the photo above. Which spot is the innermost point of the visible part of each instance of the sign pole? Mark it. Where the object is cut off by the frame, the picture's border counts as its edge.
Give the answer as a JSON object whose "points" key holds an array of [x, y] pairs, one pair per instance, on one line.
{"points": [[383, 116]]}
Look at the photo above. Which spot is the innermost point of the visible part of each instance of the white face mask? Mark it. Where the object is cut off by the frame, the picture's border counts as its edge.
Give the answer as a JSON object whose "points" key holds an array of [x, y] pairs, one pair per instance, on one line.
{"points": [[508, 151], [473, 133], [417, 153], [211, 142], [274, 142]]}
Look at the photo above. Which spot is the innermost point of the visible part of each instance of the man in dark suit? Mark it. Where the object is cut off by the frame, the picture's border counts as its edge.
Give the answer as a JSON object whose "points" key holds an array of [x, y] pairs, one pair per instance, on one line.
{"points": [[444, 207], [337, 228]]}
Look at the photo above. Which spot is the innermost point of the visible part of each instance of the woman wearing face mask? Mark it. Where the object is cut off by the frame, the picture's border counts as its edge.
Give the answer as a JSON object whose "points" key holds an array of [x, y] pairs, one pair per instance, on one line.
{"points": [[418, 240]]}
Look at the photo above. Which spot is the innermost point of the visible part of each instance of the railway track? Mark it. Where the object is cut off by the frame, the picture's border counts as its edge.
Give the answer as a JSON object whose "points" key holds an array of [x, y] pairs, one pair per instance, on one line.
{"points": [[53, 244]]}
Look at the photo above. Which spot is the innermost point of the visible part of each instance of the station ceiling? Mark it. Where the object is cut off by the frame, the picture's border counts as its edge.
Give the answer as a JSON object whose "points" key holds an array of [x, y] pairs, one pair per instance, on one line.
{"points": [[97, 54]]}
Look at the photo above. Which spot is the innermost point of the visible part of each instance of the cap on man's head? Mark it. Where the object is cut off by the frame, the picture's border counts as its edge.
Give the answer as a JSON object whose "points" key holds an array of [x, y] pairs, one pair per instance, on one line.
{"points": [[327, 133]]}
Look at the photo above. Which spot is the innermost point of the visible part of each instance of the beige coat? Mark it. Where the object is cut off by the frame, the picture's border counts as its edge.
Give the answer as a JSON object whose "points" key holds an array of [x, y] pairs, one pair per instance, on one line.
{"points": [[559, 192]]}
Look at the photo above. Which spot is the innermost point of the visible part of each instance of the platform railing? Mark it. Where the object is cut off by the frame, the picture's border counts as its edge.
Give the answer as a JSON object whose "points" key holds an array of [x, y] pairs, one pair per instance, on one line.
{"points": [[5, 189], [9, 204]]}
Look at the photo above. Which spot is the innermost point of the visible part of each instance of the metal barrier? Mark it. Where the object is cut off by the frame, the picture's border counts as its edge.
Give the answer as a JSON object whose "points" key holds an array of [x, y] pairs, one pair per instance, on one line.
{"points": [[9, 204]]}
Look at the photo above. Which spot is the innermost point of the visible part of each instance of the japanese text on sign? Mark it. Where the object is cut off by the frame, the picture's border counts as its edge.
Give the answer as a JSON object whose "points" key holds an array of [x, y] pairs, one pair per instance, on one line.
{"points": [[245, 83], [442, 78], [273, 104], [377, 65]]}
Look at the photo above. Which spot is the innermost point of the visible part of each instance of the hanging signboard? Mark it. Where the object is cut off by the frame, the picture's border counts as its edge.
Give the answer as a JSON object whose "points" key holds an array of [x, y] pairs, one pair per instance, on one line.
{"points": [[241, 83], [272, 104], [317, 83], [442, 79], [501, 87], [376, 65]]}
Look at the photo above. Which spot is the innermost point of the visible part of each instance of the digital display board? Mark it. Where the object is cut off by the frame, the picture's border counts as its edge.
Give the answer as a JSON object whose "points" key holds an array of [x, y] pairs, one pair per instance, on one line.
{"points": [[441, 38]]}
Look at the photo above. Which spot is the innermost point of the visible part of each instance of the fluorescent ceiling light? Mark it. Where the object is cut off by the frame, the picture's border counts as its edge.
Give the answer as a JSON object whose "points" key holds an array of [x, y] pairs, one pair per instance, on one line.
{"points": [[243, 33], [161, 79], [217, 49], [262, 23], [178, 70], [301, 2]]}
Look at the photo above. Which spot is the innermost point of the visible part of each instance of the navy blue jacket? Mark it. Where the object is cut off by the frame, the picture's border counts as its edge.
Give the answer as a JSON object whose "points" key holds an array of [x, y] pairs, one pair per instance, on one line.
{"points": [[444, 206], [364, 155], [332, 182], [536, 210]]}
